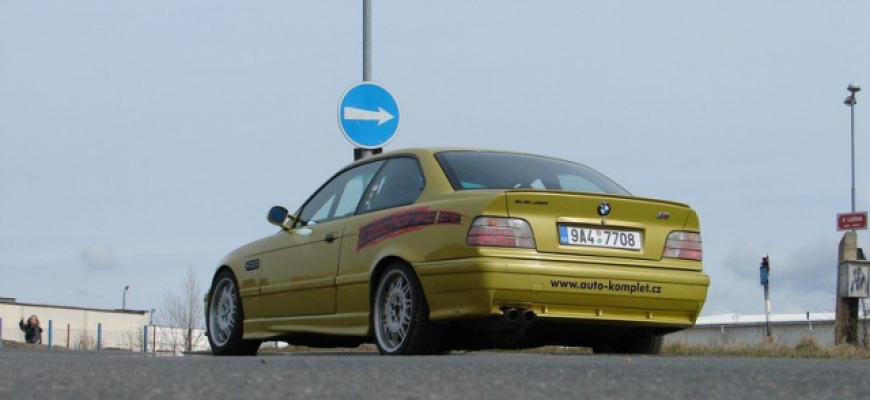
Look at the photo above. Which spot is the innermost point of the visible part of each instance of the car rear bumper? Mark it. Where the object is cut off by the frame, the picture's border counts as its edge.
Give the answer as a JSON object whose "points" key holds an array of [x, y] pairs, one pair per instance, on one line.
{"points": [[559, 290]]}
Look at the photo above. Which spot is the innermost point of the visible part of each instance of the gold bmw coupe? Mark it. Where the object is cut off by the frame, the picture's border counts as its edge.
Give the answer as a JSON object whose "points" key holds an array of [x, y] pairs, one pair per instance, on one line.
{"points": [[426, 250]]}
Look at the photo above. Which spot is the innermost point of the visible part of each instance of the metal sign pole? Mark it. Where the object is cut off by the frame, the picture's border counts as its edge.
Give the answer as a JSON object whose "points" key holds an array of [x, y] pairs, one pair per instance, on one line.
{"points": [[765, 281], [852, 112], [767, 308], [360, 153], [367, 40]]}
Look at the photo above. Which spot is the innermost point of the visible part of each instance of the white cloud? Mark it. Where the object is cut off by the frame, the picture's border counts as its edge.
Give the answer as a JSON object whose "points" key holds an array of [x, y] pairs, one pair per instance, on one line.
{"points": [[734, 284], [801, 279], [99, 258]]}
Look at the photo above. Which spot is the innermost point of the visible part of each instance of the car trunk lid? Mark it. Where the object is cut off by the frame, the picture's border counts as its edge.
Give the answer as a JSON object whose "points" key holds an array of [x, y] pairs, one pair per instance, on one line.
{"points": [[597, 224]]}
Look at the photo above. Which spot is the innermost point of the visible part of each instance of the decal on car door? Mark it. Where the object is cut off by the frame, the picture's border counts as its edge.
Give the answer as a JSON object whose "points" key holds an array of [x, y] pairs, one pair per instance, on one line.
{"points": [[403, 222]]}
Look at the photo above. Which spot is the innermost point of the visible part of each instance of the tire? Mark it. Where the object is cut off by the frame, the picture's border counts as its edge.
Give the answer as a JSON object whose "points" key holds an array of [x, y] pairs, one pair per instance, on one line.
{"points": [[636, 342], [400, 315], [225, 319]]}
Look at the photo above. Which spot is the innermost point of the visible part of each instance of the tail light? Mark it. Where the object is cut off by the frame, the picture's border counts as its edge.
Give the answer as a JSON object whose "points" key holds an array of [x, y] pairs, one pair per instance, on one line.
{"points": [[502, 232], [684, 245]]}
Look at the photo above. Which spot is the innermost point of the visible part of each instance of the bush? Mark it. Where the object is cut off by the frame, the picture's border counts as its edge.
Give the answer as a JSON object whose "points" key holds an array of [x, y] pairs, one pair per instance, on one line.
{"points": [[807, 347]]}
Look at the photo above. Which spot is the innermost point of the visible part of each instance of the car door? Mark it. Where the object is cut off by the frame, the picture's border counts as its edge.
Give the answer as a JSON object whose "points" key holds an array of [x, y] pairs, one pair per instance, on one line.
{"points": [[299, 266], [384, 214]]}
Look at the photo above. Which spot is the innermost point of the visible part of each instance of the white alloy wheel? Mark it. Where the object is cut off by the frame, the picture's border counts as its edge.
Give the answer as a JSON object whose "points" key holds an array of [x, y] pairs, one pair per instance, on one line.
{"points": [[222, 312], [225, 318], [393, 310], [400, 315]]}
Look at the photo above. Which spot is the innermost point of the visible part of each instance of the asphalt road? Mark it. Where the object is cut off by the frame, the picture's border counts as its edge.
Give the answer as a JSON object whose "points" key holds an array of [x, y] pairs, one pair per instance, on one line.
{"points": [[41, 374]]}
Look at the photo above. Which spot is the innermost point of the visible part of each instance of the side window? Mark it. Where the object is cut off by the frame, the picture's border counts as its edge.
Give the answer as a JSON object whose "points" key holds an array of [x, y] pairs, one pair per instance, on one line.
{"points": [[399, 183], [353, 191], [340, 197]]}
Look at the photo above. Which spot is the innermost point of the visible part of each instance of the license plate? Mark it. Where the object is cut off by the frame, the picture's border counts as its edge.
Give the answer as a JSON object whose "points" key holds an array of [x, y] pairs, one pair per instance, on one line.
{"points": [[596, 237]]}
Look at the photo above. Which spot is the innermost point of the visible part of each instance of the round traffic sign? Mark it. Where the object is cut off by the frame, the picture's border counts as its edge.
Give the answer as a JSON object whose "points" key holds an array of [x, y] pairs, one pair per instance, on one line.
{"points": [[368, 115]]}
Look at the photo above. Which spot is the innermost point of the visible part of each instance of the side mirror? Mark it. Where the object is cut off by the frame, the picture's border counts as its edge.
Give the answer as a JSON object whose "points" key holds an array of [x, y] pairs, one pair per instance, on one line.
{"points": [[278, 216]]}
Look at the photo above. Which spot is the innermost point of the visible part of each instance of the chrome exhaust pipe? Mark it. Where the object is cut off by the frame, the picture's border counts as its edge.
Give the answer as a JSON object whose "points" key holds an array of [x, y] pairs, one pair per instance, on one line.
{"points": [[511, 314], [528, 316]]}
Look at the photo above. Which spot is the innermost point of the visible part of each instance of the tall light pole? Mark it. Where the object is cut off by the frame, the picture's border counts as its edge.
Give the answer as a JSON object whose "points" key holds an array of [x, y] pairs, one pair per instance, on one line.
{"points": [[846, 325], [850, 102], [124, 299]]}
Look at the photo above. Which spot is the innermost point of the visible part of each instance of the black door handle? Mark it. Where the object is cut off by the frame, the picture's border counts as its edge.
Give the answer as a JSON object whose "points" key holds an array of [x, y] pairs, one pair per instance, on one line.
{"points": [[330, 237]]}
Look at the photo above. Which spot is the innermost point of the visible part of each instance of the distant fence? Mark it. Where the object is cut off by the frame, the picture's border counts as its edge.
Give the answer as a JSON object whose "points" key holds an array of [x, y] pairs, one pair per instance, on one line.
{"points": [[150, 338], [750, 329]]}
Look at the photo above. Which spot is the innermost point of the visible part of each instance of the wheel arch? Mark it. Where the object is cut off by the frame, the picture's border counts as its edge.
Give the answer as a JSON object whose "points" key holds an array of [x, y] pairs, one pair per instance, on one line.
{"points": [[214, 277], [221, 269], [379, 269], [211, 285], [375, 277], [233, 343], [422, 337]]}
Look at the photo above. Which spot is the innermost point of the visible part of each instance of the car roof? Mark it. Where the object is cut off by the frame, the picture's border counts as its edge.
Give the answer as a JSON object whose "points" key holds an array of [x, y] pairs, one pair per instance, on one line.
{"points": [[431, 151]]}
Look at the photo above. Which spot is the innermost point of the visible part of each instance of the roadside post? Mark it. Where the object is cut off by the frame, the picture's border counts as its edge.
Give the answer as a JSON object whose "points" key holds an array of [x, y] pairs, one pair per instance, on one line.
{"points": [[50, 334], [99, 336], [361, 152], [851, 272], [853, 284], [154, 340], [145, 340], [375, 104], [764, 270], [1, 332]]}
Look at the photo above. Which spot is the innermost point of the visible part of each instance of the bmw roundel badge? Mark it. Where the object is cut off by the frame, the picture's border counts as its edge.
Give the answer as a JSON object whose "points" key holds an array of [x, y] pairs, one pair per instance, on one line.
{"points": [[604, 209]]}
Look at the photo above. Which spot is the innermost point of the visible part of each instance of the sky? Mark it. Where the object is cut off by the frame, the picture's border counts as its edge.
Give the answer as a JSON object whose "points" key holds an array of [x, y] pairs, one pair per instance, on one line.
{"points": [[143, 139]]}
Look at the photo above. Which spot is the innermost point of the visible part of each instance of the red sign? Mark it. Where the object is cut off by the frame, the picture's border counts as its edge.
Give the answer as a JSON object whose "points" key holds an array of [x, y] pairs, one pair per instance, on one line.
{"points": [[850, 221]]}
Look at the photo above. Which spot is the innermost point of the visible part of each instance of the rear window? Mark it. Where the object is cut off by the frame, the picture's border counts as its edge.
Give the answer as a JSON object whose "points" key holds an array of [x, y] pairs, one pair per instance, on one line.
{"points": [[470, 170]]}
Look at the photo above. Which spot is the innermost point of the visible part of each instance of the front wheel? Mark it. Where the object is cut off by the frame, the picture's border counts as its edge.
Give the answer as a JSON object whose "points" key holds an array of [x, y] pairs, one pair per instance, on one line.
{"points": [[400, 317], [225, 319]]}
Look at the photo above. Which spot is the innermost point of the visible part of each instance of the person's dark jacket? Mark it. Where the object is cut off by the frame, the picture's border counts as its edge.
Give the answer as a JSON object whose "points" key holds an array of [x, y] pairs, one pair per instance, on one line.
{"points": [[32, 333]]}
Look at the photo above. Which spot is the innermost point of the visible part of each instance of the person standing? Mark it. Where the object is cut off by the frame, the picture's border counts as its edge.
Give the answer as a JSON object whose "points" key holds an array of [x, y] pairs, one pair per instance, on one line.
{"points": [[32, 330]]}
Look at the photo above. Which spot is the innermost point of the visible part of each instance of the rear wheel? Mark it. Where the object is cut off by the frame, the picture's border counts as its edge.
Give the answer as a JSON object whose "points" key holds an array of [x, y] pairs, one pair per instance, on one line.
{"points": [[226, 319], [400, 315], [641, 341]]}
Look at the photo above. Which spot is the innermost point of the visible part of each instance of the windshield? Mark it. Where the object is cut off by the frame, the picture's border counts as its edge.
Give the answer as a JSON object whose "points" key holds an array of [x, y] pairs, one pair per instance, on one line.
{"points": [[469, 170]]}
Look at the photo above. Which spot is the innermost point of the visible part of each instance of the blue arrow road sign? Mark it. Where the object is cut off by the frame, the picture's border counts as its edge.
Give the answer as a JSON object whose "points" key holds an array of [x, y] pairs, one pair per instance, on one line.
{"points": [[368, 115]]}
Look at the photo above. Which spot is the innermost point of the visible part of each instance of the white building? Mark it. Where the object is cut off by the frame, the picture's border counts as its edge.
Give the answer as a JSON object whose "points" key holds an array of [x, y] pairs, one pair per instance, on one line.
{"points": [[90, 329], [75, 327]]}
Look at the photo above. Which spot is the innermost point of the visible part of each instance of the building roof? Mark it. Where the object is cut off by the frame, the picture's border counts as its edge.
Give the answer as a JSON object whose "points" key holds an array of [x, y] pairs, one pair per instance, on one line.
{"points": [[127, 311], [752, 319]]}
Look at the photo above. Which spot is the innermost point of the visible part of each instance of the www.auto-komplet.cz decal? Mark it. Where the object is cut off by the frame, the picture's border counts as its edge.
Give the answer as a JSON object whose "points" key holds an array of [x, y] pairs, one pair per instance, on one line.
{"points": [[403, 222]]}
